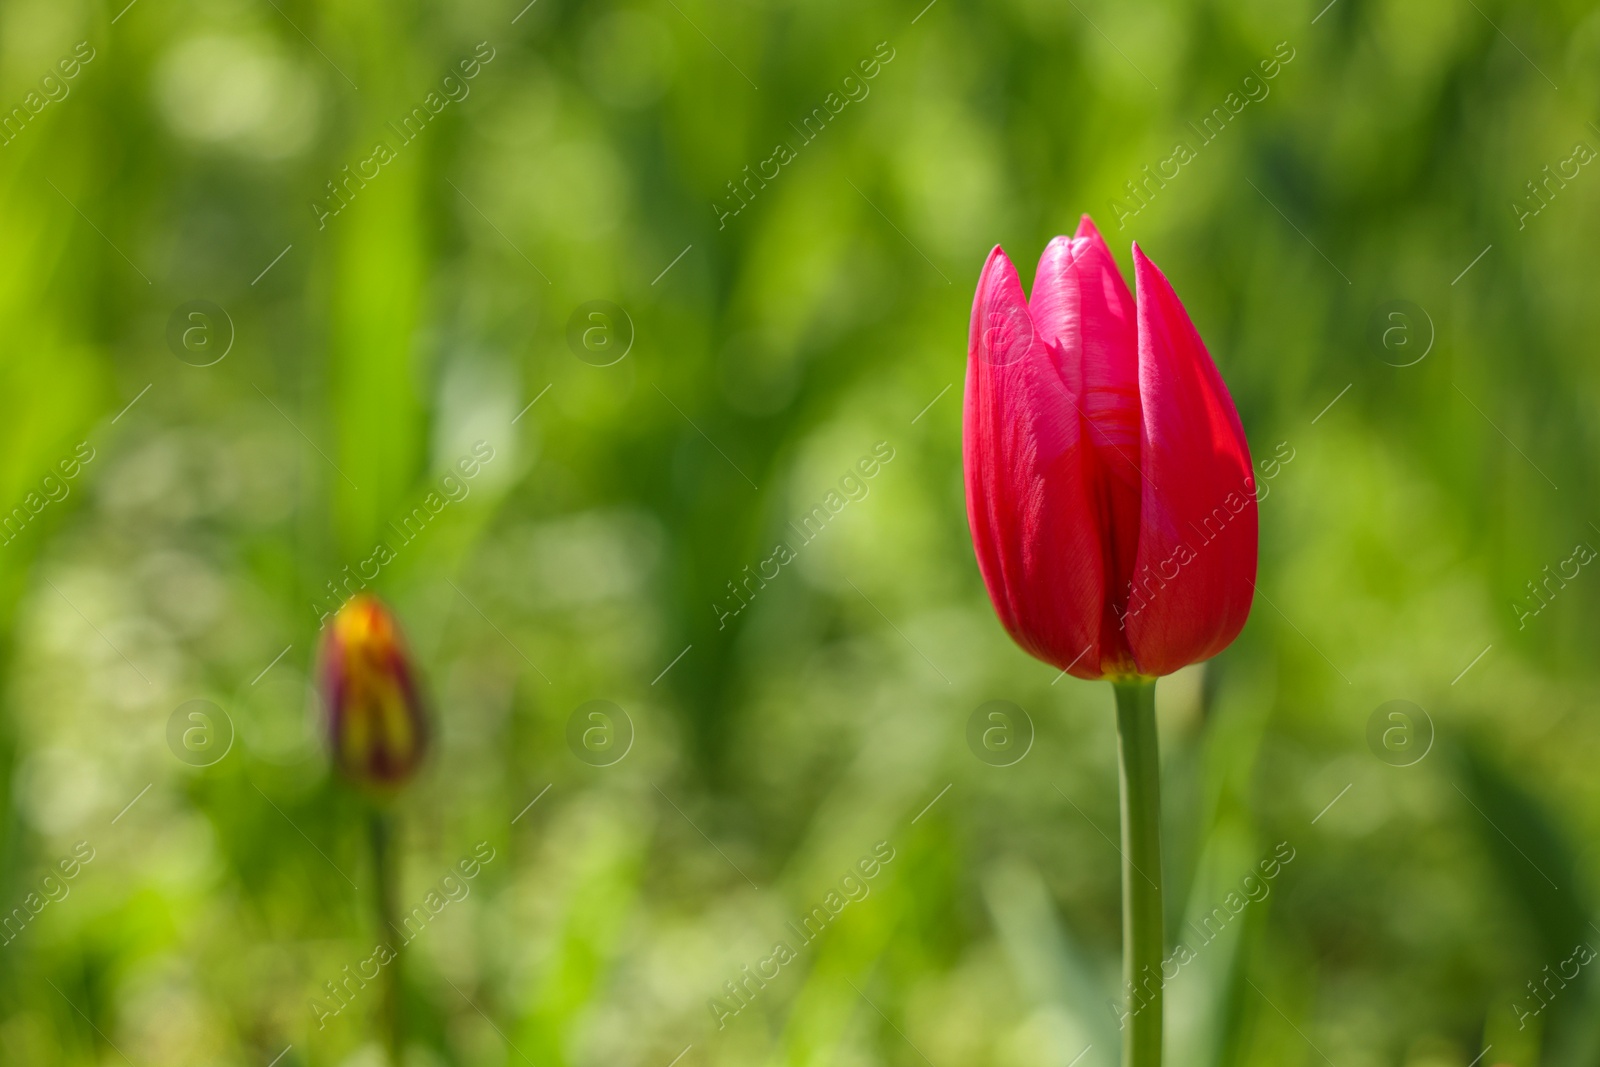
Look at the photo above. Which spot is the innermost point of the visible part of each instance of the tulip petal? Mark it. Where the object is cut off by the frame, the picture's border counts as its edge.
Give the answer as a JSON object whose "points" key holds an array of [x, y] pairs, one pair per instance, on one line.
{"points": [[1195, 573], [1081, 303], [1035, 523]]}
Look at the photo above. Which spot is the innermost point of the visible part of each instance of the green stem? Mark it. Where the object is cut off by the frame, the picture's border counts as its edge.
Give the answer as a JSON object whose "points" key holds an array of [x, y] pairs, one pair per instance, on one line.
{"points": [[381, 824], [1143, 944]]}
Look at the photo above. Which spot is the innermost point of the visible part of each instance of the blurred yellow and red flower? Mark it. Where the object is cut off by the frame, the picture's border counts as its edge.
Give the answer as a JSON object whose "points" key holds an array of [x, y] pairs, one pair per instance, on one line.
{"points": [[376, 724]]}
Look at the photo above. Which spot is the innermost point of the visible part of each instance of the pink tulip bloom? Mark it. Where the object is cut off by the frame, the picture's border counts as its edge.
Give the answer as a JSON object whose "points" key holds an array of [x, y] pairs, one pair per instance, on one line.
{"points": [[1109, 485]]}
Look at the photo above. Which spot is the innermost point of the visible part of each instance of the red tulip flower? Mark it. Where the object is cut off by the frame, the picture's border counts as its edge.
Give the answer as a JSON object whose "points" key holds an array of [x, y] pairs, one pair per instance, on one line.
{"points": [[1109, 484], [374, 717], [1113, 509]]}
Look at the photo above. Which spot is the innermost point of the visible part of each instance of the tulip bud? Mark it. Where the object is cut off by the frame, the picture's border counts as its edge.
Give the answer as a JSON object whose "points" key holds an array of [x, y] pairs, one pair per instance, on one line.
{"points": [[1110, 490], [377, 730]]}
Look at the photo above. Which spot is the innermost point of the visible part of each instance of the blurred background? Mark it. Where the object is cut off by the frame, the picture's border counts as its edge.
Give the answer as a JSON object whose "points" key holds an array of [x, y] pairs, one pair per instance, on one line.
{"points": [[685, 272]]}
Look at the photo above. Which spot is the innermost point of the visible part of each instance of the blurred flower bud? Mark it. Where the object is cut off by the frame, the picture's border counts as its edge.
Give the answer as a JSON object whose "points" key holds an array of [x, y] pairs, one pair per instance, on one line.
{"points": [[377, 730]]}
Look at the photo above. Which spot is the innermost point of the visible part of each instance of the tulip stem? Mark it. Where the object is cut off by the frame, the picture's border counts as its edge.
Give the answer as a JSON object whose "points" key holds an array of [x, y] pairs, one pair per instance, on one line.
{"points": [[1143, 943], [384, 870]]}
